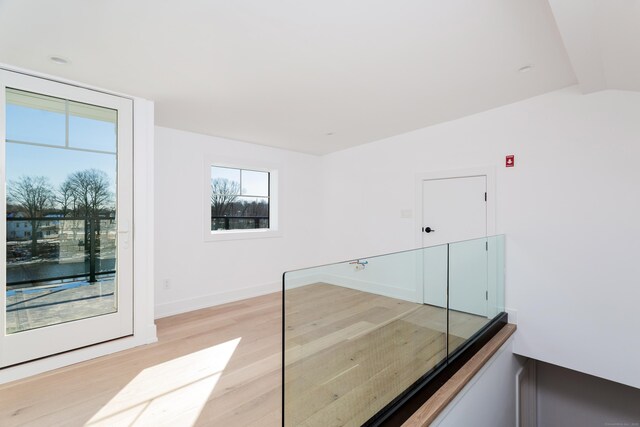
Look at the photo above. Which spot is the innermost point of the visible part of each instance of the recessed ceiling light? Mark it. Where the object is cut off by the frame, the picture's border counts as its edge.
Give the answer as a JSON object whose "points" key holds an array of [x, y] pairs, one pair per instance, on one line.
{"points": [[58, 60], [525, 69]]}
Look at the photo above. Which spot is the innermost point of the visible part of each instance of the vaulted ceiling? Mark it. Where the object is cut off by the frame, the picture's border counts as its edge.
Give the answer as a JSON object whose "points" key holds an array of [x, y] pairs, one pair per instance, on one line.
{"points": [[602, 38], [322, 76]]}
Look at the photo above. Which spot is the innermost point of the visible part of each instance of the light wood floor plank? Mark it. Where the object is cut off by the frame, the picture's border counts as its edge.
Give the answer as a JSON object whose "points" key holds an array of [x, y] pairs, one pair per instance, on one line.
{"points": [[337, 378], [349, 351], [71, 396]]}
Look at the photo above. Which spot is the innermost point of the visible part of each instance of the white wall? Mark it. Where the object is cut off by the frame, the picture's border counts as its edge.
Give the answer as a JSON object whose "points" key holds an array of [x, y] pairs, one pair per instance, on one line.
{"points": [[204, 273], [566, 397], [489, 399], [569, 208]]}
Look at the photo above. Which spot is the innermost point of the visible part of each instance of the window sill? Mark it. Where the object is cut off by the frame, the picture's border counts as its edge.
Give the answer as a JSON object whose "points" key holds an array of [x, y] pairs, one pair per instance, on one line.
{"points": [[218, 236]]}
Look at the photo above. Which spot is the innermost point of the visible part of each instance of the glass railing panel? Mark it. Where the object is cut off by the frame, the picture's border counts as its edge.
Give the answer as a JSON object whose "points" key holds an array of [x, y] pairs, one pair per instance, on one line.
{"points": [[55, 275], [476, 292], [468, 290], [435, 275], [496, 257], [357, 335], [106, 247]]}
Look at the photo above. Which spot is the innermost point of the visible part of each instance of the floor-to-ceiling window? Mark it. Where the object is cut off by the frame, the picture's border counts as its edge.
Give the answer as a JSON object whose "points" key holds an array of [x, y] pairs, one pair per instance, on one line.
{"points": [[68, 204]]}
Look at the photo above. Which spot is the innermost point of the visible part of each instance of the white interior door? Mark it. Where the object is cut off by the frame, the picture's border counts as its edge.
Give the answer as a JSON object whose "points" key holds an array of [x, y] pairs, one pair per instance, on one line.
{"points": [[455, 210], [67, 176]]}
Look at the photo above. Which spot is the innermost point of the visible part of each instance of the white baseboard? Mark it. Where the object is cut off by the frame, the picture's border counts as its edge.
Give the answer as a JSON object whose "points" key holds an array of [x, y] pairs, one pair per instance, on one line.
{"points": [[374, 288], [358, 285], [62, 360], [298, 280], [204, 301], [152, 334]]}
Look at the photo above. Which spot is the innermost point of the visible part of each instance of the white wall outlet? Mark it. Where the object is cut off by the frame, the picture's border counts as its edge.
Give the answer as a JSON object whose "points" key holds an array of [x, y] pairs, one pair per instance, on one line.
{"points": [[166, 284], [359, 267]]}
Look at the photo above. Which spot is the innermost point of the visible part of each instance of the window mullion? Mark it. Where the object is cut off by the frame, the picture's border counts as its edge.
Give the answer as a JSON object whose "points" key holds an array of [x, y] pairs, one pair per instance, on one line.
{"points": [[66, 123], [258, 205]]}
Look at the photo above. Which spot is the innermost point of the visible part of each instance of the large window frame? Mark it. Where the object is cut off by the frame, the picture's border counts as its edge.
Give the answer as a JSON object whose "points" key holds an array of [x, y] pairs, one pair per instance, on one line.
{"points": [[28, 346], [275, 226]]}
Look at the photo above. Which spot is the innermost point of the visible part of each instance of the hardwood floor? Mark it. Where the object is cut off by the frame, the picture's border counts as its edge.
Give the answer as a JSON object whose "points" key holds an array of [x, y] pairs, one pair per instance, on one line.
{"points": [[350, 353], [153, 386], [347, 353]]}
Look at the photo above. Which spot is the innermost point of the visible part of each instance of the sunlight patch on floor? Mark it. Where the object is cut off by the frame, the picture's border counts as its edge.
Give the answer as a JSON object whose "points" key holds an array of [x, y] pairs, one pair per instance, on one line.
{"points": [[171, 393]]}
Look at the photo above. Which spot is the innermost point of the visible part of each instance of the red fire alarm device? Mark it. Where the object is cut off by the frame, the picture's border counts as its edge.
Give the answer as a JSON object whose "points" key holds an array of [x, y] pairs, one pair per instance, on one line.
{"points": [[510, 161]]}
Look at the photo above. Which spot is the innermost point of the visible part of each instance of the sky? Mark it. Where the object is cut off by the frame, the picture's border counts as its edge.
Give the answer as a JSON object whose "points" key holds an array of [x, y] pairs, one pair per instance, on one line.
{"points": [[39, 126], [254, 183]]}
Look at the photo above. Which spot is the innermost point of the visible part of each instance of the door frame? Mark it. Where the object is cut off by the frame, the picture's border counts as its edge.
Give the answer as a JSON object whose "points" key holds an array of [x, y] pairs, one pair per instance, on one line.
{"points": [[488, 171], [59, 337], [142, 239]]}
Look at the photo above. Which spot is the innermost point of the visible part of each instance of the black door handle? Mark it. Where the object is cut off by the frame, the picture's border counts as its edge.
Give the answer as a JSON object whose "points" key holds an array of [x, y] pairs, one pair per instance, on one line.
{"points": [[428, 229]]}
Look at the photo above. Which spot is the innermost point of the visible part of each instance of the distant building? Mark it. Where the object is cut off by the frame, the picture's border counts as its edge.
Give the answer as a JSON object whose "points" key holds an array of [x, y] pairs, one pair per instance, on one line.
{"points": [[23, 229]]}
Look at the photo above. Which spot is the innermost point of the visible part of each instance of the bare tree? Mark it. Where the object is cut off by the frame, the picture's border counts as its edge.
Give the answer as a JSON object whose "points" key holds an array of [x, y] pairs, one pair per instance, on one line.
{"points": [[66, 198], [90, 193], [34, 195], [90, 190], [223, 194]]}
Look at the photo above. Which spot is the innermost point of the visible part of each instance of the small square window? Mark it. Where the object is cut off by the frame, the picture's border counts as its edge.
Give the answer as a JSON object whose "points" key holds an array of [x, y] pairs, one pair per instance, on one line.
{"points": [[241, 202]]}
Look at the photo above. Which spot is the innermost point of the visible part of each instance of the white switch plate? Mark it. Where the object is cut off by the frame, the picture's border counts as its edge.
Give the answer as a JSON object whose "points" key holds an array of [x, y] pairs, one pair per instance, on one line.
{"points": [[406, 213]]}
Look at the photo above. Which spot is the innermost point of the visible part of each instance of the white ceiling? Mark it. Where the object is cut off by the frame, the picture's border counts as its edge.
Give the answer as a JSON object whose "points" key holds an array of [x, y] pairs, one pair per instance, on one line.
{"points": [[602, 38], [285, 73]]}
